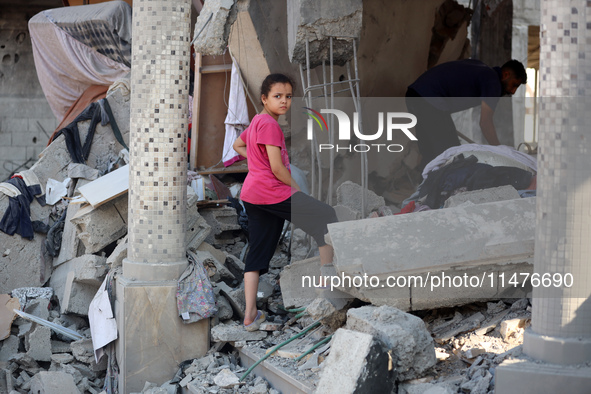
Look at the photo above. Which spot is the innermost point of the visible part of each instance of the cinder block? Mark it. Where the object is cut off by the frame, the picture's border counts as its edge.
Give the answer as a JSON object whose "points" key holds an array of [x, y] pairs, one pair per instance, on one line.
{"points": [[223, 222], [13, 153], [26, 138], [18, 125], [356, 363]]}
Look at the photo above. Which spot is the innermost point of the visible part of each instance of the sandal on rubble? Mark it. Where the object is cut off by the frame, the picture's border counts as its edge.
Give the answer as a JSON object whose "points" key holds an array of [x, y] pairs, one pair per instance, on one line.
{"points": [[256, 324]]}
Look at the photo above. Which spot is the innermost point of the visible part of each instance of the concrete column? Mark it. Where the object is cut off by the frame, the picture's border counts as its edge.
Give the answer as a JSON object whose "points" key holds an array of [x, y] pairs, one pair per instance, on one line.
{"points": [[153, 339], [560, 335]]}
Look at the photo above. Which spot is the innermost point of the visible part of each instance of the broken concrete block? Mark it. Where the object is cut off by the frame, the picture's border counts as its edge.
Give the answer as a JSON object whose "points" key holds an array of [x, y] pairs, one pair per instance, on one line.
{"points": [[315, 22], [501, 193], [79, 170], [82, 350], [103, 225], [38, 344], [233, 333], [234, 296], [219, 255], [77, 296], [469, 324], [9, 348], [7, 316], [216, 270], [474, 352], [53, 383], [60, 347], [115, 259], [224, 308], [295, 294], [213, 26], [425, 388], [38, 307], [197, 228], [345, 213], [266, 287], [70, 241], [226, 379], [404, 334], [235, 265], [224, 224], [320, 308], [356, 363], [513, 327], [349, 194], [62, 358], [267, 326], [87, 272]]}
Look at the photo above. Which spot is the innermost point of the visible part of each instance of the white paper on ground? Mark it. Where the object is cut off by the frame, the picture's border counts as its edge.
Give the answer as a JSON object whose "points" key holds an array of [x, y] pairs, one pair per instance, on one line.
{"points": [[103, 326]]}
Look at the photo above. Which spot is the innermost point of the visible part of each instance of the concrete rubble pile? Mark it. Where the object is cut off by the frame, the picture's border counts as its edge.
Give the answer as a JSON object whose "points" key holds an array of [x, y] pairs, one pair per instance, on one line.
{"points": [[35, 358]]}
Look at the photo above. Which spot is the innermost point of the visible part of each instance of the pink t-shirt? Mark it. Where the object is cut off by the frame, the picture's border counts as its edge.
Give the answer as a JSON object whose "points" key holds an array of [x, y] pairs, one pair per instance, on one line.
{"points": [[261, 186]]}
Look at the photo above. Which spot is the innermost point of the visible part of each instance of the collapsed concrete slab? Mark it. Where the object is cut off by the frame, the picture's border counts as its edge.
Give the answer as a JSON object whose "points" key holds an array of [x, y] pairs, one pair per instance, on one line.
{"points": [[315, 22], [53, 383], [357, 363], [402, 333], [24, 265], [441, 257]]}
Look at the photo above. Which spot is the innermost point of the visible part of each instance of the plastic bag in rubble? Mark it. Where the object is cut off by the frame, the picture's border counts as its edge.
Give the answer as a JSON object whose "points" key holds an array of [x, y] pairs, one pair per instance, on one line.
{"points": [[194, 296]]}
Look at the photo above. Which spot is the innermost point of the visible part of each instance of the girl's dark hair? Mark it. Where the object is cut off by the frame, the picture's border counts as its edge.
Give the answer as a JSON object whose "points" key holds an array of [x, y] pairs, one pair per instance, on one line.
{"points": [[272, 79]]}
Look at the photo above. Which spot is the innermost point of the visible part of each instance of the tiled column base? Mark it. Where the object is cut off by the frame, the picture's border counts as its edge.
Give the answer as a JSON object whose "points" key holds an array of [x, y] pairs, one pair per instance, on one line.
{"points": [[566, 351], [528, 377], [154, 271], [153, 340]]}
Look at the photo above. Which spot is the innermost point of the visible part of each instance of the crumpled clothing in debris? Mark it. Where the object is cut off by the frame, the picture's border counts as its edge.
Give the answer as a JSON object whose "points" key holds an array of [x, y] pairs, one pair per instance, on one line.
{"points": [[17, 218], [194, 296], [467, 173], [77, 151]]}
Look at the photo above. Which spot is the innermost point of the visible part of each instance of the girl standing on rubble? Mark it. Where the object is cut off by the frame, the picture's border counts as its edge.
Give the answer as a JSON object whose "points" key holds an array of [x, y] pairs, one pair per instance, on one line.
{"points": [[270, 194]]}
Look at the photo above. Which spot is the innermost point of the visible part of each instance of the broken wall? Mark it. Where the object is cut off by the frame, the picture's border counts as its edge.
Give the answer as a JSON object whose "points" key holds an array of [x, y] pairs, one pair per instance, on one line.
{"points": [[26, 120]]}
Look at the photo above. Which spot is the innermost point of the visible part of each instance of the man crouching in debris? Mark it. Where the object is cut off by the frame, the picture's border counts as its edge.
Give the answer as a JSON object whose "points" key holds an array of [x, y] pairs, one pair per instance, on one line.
{"points": [[455, 86], [270, 194]]}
